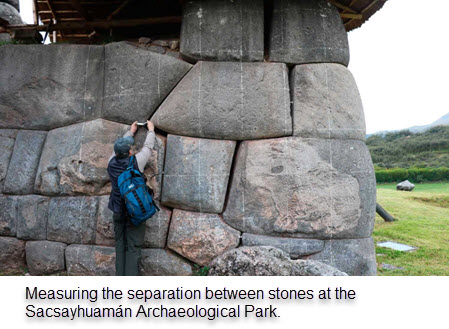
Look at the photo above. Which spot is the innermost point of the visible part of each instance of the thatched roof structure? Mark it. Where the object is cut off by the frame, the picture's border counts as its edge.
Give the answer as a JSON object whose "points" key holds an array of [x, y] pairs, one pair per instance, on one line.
{"points": [[80, 20]]}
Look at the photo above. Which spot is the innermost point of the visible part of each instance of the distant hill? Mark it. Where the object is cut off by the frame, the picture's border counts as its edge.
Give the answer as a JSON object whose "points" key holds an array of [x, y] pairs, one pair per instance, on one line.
{"points": [[443, 121], [406, 149]]}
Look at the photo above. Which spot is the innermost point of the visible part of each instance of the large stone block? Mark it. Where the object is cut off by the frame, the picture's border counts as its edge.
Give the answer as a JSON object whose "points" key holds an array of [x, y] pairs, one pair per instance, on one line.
{"points": [[227, 100], [295, 187], [75, 158], [7, 140], [90, 260], [14, 3], [293, 246], [8, 215], [156, 226], [32, 217], [9, 12], [66, 87], [200, 237], [163, 262], [307, 31], [24, 162], [72, 220], [137, 81], [196, 173], [326, 102], [353, 256], [45, 257], [12, 255], [223, 30]]}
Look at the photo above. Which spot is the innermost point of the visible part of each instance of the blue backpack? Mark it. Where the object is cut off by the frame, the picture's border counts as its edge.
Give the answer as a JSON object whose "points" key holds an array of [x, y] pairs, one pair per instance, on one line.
{"points": [[137, 195]]}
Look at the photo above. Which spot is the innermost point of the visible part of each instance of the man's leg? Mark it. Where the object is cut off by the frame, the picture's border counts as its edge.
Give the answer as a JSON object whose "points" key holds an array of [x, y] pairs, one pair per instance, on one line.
{"points": [[134, 241], [120, 243]]}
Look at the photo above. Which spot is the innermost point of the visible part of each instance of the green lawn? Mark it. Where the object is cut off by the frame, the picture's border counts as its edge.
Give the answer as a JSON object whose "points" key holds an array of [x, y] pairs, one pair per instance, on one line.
{"points": [[422, 221]]}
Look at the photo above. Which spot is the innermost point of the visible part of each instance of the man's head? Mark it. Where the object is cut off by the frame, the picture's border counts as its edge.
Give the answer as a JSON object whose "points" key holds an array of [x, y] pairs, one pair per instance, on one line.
{"points": [[122, 147]]}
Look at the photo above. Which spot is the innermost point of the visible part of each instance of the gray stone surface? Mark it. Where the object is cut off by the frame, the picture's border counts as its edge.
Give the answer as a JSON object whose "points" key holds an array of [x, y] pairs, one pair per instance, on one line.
{"points": [[45, 257], [72, 220], [90, 260], [66, 87], [196, 173], [14, 3], [10, 13], [266, 261], [8, 215], [32, 217], [105, 223], [353, 256], [292, 246], [297, 187], [7, 140], [307, 31], [227, 100], [24, 162], [326, 102], [405, 186], [12, 256], [137, 81], [157, 228], [75, 158], [200, 237], [223, 30], [163, 262]]}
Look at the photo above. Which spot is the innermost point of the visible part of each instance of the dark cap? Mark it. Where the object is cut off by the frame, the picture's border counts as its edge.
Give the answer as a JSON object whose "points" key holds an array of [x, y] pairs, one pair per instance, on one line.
{"points": [[122, 146]]}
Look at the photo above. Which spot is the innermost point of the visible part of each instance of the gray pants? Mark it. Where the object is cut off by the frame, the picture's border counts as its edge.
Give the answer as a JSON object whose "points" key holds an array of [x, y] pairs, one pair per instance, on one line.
{"points": [[128, 245]]}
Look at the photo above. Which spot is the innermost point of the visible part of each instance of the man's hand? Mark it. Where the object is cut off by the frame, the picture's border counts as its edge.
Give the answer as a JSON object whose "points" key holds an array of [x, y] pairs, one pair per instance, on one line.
{"points": [[133, 128], [150, 125]]}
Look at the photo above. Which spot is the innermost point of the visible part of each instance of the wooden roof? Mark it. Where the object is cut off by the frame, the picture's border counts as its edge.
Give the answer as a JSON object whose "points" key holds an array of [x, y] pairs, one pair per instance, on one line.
{"points": [[82, 19]]}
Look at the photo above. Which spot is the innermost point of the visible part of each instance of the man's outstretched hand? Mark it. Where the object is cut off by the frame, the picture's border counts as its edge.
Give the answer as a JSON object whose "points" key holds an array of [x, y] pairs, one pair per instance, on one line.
{"points": [[134, 128], [150, 125]]}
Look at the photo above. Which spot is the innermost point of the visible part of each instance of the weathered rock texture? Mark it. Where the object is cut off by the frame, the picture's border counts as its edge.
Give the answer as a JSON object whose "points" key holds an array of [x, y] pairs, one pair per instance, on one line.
{"points": [[326, 102], [200, 237], [24, 162], [7, 140], [197, 173], [14, 3], [353, 256], [294, 247], [72, 220], [8, 215], [32, 217], [45, 257], [66, 87], [223, 30], [163, 262], [75, 158], [12, 255], [137, 81], [296, 187], [225, 100], [90, 260], [307, 31], [405, 186], [267, 261], [9, 12]]}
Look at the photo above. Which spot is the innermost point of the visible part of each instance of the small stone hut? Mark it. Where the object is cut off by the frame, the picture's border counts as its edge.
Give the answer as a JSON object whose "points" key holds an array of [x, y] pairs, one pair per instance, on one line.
{"points": [[260, 134]]}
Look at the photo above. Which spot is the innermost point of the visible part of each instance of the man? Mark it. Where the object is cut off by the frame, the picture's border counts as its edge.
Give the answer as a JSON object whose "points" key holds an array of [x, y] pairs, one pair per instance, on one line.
{"points": [[128, 238]]}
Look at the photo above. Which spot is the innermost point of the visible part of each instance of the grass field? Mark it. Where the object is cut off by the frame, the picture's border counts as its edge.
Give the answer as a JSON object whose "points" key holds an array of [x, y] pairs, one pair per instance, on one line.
{"points": [[422, 221]]}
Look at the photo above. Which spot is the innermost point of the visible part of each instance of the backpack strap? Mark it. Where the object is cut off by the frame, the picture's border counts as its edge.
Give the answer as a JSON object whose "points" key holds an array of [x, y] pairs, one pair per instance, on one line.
{"points": [[131, 163]]}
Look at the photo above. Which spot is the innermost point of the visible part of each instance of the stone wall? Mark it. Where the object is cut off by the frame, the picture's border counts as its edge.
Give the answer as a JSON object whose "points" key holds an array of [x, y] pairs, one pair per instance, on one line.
{"points": [[260, 142]]}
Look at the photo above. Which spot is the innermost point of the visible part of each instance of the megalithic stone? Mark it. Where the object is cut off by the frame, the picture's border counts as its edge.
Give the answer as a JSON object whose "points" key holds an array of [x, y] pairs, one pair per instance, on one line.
{"points": [[137, 81], [7, 140], [310, 188], [222, 30], [326, 102], [224, 100], [307, 31], [65, 88]]}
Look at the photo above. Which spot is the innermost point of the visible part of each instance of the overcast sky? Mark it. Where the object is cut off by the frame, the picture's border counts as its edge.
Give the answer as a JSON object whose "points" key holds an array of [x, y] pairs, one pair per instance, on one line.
{"points": [[400, 60]]}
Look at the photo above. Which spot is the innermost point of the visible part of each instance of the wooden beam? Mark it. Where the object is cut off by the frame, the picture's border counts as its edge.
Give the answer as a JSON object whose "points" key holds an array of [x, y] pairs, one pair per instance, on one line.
{"points": [[118, 9], [79, 8], [339, 5], [101, 24], [351, 16]]}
